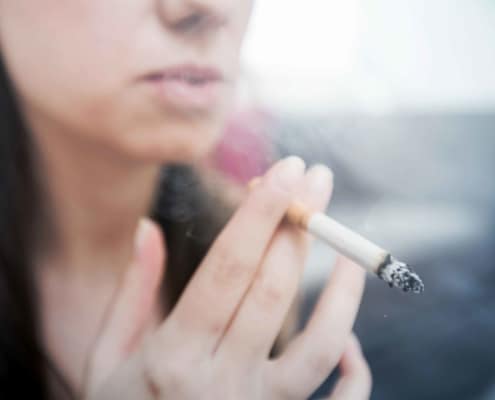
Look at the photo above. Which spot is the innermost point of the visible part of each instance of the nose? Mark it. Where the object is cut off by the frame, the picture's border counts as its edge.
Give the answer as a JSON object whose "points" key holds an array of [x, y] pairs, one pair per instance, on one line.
{"points": [[194, 16]]}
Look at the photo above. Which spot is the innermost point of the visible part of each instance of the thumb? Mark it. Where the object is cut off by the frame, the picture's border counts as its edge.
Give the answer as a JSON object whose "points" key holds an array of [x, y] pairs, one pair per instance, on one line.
{"points": [[130, 313]]}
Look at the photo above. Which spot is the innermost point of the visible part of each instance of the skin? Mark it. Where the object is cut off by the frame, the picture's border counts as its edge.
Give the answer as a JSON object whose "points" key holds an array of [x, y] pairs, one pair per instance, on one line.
{"points": [[101, 137]]}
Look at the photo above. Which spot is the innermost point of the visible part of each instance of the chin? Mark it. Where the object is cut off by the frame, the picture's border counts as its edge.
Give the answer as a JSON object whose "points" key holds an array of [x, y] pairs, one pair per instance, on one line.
{"points": [[189, 142], [172, 143]]}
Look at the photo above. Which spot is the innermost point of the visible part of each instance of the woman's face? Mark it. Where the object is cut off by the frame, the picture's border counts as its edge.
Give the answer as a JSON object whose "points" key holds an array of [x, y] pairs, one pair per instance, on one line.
{"points": [[151, 79]]}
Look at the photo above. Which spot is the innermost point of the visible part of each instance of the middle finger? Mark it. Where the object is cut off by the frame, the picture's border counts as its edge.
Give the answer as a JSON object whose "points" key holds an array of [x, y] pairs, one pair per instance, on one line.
{"points": [[265, 306]]}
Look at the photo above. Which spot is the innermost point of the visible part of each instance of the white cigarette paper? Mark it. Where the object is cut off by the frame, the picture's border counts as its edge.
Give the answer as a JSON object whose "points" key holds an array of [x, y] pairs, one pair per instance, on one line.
{"points": [[347, 242], [371, 257]]}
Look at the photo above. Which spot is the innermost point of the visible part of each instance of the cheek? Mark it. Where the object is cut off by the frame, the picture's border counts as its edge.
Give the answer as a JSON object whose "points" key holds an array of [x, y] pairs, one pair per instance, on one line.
{"points": [[62, 54]]}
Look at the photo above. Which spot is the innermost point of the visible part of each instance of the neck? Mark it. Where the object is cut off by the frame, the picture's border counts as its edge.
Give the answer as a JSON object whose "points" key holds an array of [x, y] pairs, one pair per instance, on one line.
{"points": [[95, 198]]}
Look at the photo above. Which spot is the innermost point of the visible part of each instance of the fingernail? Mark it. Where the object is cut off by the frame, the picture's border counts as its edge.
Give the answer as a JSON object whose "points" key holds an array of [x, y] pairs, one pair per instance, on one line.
{"points": [[289, 171], [320, 177], [140, 237]]}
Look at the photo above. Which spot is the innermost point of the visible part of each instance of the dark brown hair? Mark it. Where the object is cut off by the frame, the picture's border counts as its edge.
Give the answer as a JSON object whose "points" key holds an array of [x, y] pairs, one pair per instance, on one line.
{"points": [[189, 215]]}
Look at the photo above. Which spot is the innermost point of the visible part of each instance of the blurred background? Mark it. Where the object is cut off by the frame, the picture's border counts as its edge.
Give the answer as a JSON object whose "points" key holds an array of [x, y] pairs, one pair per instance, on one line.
{"points": [[398, 98]]}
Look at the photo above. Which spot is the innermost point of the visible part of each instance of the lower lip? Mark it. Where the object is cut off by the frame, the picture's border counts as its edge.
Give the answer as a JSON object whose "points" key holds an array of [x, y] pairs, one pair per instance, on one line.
{"points": [[183, 95]]}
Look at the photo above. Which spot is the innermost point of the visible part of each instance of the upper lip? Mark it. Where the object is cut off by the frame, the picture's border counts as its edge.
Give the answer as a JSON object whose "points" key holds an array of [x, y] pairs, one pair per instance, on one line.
{"points": [[189, 72]]}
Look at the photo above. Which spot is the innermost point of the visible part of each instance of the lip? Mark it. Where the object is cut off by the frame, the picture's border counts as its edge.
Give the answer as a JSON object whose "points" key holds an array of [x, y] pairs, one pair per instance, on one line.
{"points": [[187, 86]]}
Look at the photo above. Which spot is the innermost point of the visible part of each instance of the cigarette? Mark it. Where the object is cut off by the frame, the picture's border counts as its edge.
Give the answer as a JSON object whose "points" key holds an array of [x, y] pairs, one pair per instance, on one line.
{"points": [[368, 255]]}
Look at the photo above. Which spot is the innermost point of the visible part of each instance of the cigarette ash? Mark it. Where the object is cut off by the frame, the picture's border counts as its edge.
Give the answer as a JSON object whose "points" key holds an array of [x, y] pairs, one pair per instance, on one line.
{"points": [[400, 275]]}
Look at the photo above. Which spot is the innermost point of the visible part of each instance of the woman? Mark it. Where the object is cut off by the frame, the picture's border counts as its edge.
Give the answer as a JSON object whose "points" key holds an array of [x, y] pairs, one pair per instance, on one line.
{"points": [[106, 110]]}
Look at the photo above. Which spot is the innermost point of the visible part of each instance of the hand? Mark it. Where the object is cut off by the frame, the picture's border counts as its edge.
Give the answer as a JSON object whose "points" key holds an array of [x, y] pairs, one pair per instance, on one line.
{"points": [[355, 376], [215, 343]]}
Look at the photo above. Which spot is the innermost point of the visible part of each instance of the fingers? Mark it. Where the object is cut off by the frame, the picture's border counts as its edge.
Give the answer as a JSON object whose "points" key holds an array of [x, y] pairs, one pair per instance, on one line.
{"points": [[133, 306], [265, 306], [355, 376], [312, 356], [215, 291]]}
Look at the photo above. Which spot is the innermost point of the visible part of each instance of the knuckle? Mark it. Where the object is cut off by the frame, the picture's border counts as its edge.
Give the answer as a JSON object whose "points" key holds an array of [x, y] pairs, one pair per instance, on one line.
{"points": [[230, 268], [167, 376], [272, 202], [269, 201], [284, 392], [174, 374], [267, 207], [282, 388], [269, 293], [323, 363]]}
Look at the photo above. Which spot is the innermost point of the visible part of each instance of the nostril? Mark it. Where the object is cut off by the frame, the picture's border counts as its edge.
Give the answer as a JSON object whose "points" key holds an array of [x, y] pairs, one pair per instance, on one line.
{"points": [[191, 22], [195, 22]]}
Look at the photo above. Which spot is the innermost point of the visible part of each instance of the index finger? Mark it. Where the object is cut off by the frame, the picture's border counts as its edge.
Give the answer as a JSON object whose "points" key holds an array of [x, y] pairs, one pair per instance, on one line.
{"points": [[209, 302]]}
